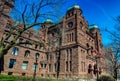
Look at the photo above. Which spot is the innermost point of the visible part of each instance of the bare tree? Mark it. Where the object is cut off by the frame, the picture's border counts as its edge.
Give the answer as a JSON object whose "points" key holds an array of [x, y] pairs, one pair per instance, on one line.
{"points": [[112, 51], [27, 14]]}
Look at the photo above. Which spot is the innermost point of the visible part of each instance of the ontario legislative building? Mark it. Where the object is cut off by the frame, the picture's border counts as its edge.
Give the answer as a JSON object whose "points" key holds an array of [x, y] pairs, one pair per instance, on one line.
{"points": [[71, 51]]}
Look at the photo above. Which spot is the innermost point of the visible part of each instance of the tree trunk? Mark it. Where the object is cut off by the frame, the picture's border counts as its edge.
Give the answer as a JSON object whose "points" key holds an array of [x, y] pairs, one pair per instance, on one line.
{"points": [[1, 61], [115, 73], [2, 53]]}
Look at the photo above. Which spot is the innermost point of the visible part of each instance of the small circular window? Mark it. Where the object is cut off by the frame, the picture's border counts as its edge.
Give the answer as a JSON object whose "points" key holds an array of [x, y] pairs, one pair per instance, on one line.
{"points": [[70, 24]]}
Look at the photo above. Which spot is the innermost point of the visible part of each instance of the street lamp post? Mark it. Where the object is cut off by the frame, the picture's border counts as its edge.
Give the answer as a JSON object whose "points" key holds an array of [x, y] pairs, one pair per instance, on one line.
{"points": [[96, 58], [36, 59]]}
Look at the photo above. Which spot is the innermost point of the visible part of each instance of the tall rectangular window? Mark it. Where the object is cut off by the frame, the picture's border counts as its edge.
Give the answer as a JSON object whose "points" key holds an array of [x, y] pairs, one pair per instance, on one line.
{"points": [[35, 66], [66, 65], [70, 65], [12, 63], [45, 65], [24, 65], [67, 54], [50, 56], [70, 54], [41, 65], [47, 56], [49, 67], [72, 37], [82, 66], [55, 68], [15, 51]]}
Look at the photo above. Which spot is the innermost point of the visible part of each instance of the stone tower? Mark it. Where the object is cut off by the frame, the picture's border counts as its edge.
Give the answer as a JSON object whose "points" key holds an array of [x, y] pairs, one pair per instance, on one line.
{"points": [[45, 27], [5, 8], [74, 25], [78, 42]]}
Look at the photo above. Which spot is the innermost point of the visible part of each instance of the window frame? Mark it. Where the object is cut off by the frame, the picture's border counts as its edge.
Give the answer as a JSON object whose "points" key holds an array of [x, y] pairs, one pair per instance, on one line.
{"points": [[15, 50]]}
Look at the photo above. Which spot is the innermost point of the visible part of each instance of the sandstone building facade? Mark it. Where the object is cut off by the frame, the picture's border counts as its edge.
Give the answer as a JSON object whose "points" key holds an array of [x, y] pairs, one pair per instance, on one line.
{"points": [[71, 51]]}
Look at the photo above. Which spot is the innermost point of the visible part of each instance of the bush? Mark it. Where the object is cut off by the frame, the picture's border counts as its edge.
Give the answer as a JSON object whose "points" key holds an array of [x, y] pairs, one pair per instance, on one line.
{"points": [[106, 78]]}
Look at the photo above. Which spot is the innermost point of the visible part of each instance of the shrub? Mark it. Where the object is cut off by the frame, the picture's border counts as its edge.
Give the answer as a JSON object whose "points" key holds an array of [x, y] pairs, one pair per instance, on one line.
{"points": [[106, 78]]}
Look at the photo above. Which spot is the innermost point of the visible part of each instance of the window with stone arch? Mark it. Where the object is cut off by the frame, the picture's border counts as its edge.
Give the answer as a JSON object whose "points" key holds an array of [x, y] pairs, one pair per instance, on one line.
{"points": [[90, 68], [27, 53], [95, 69], [37, 56]]}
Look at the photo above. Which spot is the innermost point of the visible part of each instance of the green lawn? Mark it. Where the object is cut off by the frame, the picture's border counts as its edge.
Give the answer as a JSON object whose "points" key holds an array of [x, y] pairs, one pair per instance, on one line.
{"points": [[25, 78]]}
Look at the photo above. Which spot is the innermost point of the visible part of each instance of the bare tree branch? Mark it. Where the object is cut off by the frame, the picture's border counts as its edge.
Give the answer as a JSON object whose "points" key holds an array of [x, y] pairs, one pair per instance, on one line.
{"points": [[23, 18]]}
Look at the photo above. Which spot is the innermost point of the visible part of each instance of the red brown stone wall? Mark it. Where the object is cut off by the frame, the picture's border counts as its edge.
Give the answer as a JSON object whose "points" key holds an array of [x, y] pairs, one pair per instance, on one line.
{"points": [[73, 49]]}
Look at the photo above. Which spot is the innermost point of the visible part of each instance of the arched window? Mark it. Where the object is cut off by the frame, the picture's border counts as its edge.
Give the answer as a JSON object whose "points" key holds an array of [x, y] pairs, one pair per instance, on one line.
{"points": [[15, 51], [100, 70], [37, 56], [95, 69], [89, 68], [27, 53]]}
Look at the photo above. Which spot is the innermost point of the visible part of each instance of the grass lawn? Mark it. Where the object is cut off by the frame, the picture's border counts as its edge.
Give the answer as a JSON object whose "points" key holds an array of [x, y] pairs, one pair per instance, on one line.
{"points": [[25, 78]]}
